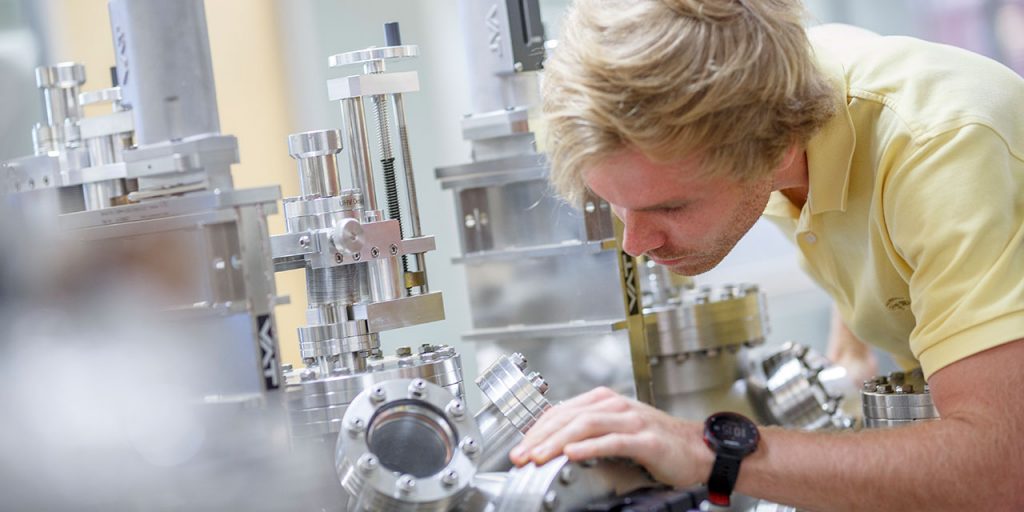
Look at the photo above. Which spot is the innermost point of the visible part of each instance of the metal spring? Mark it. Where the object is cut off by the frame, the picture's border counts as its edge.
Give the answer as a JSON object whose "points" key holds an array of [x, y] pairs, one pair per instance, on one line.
{"points": [[380, 109]]}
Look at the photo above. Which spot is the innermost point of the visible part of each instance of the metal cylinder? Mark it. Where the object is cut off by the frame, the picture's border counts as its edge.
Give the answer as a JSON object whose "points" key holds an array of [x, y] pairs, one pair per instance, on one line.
{"points": [[387, 281], [359, 150], [61, 84], [898, 399], [164, 68], [407, 444], [347, 284], [316, 155], [516, 402]]}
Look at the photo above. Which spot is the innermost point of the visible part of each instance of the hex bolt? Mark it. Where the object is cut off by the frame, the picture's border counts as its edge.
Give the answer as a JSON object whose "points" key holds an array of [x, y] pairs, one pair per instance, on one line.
{"points": [[550, 500], [406, 484], [356, 426], [394, 249], [469, 446], [456, 409], [374, 252], [378, 395], [449, 478], [519, 360], [538, 382], [367, 463]]}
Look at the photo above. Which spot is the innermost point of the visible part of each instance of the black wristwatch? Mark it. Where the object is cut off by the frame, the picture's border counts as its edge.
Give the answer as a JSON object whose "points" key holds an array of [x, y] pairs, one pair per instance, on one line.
{"points": [[732, 437]]}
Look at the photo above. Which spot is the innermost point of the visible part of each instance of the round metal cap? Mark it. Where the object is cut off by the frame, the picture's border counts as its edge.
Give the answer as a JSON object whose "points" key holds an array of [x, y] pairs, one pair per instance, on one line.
{"points": [[63, 75], [314, 143], [373, 54]]}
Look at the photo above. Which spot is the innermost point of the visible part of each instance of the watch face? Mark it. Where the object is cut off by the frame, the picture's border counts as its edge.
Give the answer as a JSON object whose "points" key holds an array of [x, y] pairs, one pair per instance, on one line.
{"points": [[733, 431]]}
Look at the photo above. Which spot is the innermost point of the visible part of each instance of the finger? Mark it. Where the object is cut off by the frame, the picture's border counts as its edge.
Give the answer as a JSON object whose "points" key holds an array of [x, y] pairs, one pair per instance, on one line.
{"points": [[585, 426], [611, 445], [556, 418]]}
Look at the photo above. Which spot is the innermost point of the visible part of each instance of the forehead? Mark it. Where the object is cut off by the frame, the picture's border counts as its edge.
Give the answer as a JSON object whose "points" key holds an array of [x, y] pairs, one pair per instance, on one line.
{"points": [[631, 180]]}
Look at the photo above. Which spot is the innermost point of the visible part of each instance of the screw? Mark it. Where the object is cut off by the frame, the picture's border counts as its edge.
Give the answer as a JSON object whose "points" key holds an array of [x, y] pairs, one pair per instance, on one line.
{"points": [[538, 382], [550, 500], [394, 249], [367, 463], [427, 347], [287, 367], [566, 475], [589, 207], [307, 374], [449, 478], [469, 446], [356, 426], [456, 409], [304, 241], [653, 361], [681, 357], [357, 256], [406, 484], [338, 258], [378, 394], [403, 351], [374, 252]]}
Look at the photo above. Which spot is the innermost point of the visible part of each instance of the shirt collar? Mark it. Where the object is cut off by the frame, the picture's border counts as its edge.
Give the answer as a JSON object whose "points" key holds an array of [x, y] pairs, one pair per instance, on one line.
{"points": [[829, 153]]}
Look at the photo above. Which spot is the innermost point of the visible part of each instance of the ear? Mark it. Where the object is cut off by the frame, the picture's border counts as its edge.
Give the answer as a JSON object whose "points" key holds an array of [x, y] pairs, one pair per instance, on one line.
{"points": [[789, 156]]}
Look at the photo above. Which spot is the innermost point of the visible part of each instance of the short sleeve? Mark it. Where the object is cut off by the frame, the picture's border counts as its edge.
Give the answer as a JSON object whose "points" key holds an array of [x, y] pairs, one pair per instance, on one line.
{"points": [[954, 212]]}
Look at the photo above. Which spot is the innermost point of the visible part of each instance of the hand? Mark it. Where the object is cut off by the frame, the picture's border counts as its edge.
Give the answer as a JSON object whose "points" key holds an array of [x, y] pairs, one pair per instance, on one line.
{"points": [[601, 423]]}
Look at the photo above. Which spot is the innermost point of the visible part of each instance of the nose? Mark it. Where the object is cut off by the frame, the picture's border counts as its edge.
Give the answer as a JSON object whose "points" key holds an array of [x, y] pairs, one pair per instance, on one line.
{"points": [[641, 234]]}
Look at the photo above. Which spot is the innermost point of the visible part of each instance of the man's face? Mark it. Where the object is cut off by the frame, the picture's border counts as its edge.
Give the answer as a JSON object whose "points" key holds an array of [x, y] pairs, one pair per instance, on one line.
{"points": [[678, 217]]}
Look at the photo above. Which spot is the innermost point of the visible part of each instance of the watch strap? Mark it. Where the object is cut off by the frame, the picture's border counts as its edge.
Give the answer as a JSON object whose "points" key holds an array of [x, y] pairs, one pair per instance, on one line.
{"points": [[723, 478]]}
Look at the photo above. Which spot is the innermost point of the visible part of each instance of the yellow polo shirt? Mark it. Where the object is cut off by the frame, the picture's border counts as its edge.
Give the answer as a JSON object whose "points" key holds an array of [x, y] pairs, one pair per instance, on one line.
{"points": [[914, 221]]}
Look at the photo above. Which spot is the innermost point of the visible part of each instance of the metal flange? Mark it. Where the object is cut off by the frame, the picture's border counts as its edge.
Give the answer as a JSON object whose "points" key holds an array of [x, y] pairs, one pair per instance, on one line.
{"points": [[407, 445]]}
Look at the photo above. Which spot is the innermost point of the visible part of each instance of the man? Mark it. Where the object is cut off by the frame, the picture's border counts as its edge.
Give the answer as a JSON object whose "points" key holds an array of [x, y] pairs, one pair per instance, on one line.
{"points": [[896, 167]]}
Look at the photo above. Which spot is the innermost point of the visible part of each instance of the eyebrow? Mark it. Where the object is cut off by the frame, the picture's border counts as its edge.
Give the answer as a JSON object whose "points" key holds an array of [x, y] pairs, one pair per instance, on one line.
{"points": [[667, 205]]}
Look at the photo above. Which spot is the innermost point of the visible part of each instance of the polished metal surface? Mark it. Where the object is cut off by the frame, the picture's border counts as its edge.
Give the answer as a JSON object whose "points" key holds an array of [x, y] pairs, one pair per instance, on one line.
{"points": [[407, 444], [317, 401], [170, 93], [516, 402], [897, 399], [796, 387], [561, 485]]}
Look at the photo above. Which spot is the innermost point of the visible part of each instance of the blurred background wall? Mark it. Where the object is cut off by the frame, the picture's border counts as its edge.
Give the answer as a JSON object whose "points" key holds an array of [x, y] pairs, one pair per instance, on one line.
{"points": [[270, 65]]}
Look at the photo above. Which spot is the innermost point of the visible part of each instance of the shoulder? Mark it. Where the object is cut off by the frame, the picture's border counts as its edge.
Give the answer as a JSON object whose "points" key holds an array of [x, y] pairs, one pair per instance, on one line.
{"points": [[930, 88]]}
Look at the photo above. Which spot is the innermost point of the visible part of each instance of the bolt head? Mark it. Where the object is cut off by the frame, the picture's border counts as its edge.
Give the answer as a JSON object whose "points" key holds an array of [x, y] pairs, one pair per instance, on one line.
{"points": [[338, 258], [519, 360], [567, 475], [304, 241], [374, 252], [394, 249], [378, 395], [449, 478], [456, 409], [470, 446], [357, 256], [550, 500], [356, 426], [406, 484], [307, 374], [417, 387], [367, 463]]}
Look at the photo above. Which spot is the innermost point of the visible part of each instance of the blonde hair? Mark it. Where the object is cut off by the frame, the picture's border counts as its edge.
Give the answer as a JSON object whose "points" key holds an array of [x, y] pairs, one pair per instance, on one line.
{"points": [[731, 81]]}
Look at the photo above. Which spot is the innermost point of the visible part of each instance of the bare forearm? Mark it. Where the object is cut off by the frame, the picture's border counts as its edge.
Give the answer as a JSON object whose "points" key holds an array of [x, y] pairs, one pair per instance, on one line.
{"points": [[951, 464]]}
